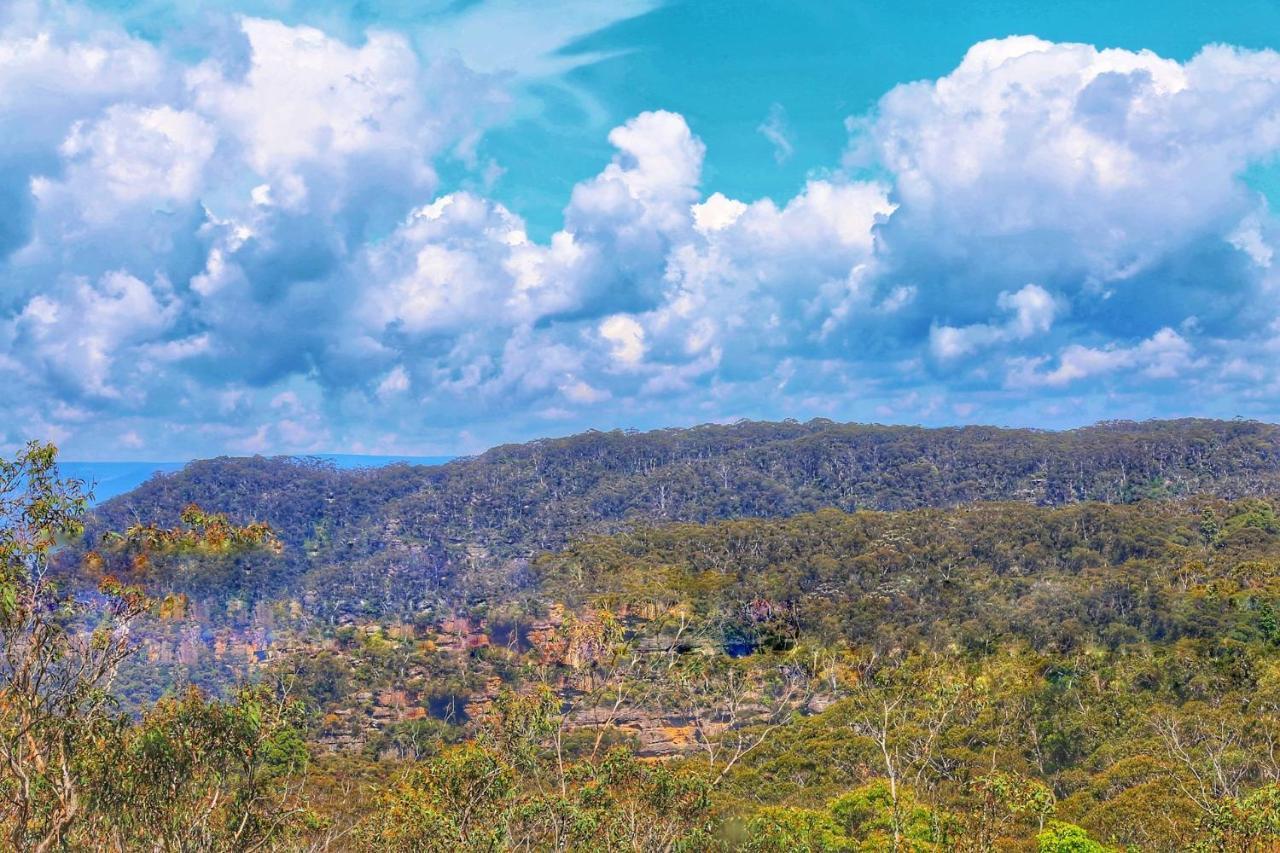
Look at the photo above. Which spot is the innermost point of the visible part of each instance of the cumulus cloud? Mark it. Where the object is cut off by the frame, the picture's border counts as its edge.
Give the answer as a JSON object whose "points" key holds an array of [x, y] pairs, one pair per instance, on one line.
{"points": [[717, 212], [1093, 172], [135, 153], [78, 342], [1164, 355], [1032, 310], [625, 337], [254, 250], [54, 71], [459, 263]]}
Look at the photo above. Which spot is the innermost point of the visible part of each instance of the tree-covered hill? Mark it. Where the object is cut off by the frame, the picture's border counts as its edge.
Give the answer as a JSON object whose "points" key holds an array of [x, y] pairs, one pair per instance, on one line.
{"points": [[835, 637], [973, 577], [395, 538]]}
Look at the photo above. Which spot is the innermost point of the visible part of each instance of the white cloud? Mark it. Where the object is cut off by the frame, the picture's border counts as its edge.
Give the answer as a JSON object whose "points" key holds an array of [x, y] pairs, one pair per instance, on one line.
{"points": [[79, 339], [155, 154], [57, 62], [395, 382], [1032, 309], [1164, 355], [1078, 167], [716, 213], [774, 129], [230, 244], [56, 68], [309, 97], [452, 265], [625, 337], [577, 391], [646, 192]]}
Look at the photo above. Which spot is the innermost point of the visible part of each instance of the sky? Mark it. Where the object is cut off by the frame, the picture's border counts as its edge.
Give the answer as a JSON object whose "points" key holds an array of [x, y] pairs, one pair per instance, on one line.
{"points": [[415, 228]]}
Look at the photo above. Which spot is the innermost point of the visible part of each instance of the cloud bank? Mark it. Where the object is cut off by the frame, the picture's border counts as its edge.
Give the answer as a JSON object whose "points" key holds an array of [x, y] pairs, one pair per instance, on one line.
{"points": [[252, 252]]}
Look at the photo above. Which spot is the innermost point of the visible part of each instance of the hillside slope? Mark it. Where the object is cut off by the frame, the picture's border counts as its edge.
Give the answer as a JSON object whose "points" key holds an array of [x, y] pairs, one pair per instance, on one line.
{"points": [[396, 539]]}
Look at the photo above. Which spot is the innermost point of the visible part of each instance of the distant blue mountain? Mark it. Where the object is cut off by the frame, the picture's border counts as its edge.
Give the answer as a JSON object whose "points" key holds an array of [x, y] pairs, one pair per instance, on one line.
{"points": [[109, 479]]}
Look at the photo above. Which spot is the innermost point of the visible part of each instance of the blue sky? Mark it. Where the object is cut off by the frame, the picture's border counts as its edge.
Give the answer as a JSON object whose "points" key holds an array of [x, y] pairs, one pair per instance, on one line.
{"points": [[416, 228]]}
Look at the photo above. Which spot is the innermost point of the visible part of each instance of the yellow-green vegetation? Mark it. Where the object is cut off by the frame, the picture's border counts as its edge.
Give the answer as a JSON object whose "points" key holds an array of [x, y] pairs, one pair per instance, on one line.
{"points": [[75, 773], [1089, 676]]}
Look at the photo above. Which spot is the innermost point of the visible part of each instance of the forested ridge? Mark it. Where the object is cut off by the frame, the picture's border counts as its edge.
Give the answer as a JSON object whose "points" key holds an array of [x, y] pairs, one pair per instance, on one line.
{"points": [[421, 530], [1054, 579]]}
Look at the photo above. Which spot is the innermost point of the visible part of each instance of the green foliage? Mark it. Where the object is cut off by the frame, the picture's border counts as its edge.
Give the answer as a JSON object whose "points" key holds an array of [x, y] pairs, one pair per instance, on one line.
{"points": [[1249, 823], [1253, 514], [1062, 837], [878, 817], [196, 774], [963, 577], [782, 829], [190, 774], [55, 661], [875, 816], [320, 679], [510, 789]]}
